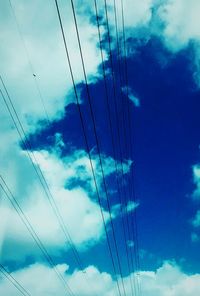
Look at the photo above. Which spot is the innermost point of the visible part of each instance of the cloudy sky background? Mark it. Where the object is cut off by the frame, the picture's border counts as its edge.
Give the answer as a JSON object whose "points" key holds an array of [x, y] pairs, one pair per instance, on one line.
{"points": [[163, 58]]}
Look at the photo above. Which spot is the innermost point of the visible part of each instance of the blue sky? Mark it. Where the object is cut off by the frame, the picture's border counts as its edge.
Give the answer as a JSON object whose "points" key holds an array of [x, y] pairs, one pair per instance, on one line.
{"points": [[163, 57]]}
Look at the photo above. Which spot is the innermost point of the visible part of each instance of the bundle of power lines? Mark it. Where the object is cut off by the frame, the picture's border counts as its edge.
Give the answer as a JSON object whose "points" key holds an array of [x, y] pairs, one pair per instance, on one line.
{"points": [[129, 221]]}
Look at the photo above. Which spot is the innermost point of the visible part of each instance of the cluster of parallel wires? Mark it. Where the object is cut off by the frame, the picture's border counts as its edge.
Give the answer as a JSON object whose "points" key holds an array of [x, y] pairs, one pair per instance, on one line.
{"points": [[124, 135]]}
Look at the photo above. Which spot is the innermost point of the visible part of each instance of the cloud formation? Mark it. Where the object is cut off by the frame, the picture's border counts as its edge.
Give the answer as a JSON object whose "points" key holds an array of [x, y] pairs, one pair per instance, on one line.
{"points": [[77, 202], [181, 21], [177, 24], [38, 59], [40, 44], [168, 280]]}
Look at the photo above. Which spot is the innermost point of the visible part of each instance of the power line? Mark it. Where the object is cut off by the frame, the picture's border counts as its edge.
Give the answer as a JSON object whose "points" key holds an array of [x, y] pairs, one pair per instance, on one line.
{"points": [[86, 142], [126, 143], [111, 60], [129, 114], [112, 138], [115, 97], [97, 141], [119, 60], [131, 145], [12, 280], [75, 251], [43, 182], [94, 123], [134, 283], [39, 173], [32, 232], [29, 145]]}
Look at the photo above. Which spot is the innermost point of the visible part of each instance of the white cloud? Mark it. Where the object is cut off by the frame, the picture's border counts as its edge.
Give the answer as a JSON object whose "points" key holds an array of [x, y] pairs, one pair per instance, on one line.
{"points": [[168, 280], [85, 230], [42, 36], [177, 24], [182, 24], [72, 201], [136, 13], [78, 168]]}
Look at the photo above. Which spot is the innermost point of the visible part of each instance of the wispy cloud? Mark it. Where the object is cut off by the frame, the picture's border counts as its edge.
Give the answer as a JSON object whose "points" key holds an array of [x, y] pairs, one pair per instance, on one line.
{"points": [[131, 206], [194, 237], [132, 97], [196, 220], [196, 180]]}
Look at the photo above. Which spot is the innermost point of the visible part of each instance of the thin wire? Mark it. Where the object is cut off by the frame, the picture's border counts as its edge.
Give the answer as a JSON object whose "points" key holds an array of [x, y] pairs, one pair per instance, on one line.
{"points": [[40, 175], [119, 62], [131, 145], [115, 97], [38, 88], [27, 146], [86, 143], [32, 232], [112, 138], [133, 283], [129, 116], [15, 283], [97, 142]]}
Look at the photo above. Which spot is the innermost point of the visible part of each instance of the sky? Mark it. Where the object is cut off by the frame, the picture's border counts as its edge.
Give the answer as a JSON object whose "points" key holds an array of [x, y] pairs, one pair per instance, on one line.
{"points": [[100, 175]]}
